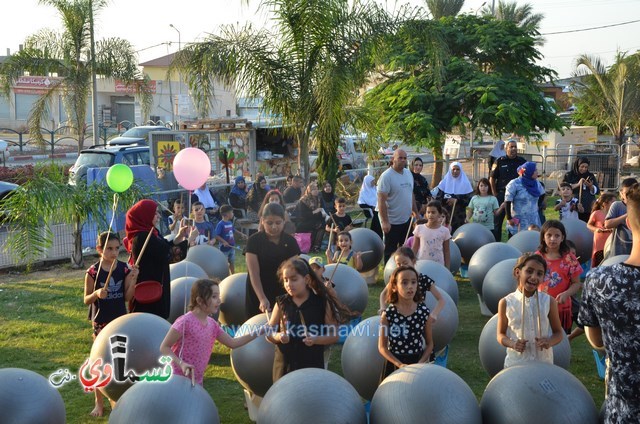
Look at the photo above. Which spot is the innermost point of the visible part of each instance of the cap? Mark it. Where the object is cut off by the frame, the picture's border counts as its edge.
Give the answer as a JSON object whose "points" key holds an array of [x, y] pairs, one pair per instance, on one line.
{"points": [[316, 260]]}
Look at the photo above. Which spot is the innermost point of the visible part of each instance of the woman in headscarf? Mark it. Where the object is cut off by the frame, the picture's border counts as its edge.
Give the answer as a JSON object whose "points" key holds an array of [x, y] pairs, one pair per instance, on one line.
{"points": [[421, 190], [496, 153], [580, 176], [310, 217], [328, 198], [238, 194], [368, 200], [454, 192], [154, 260], [255, 197], [521, 199]]}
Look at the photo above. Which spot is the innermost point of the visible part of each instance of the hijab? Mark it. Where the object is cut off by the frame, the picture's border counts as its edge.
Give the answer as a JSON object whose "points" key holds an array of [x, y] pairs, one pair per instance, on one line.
{"points": [[576, 167], [498, 150], [241, 192], [452, 185], [368, 193], [139, 219], [327, 198], [526, 171]]}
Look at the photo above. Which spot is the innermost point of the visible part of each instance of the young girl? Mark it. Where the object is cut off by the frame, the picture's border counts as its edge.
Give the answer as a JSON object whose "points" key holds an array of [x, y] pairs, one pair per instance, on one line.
{"points": [[528, 328], [409, 242], [107, 303], [343, 253], [483, 206], [190, 339], [265, 251], [404, 256], [405, 329], [596, 225], [274, 196], [562, 278], [305, 318], [432, 239]]}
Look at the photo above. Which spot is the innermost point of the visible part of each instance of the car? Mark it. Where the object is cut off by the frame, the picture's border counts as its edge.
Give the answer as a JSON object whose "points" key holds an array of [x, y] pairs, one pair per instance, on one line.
{"points": [[6, 188], [103, 156], [135, 135]]}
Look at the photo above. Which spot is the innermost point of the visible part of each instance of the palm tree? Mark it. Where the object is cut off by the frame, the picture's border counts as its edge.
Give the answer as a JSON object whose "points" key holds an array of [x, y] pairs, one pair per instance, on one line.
{"points": [[441, 8], [608, 97], [67, 55], [521, 15], [307, 72]]}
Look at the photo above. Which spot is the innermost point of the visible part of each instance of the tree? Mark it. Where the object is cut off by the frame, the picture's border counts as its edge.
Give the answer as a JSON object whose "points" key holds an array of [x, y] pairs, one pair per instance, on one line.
{"points": [[307, 72], [442, 8], [610, 97], [520, 15], [486, 79], [67, 56]]}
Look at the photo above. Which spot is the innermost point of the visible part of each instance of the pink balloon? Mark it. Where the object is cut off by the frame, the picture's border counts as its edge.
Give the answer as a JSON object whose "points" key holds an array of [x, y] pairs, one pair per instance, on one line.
{"points": [[191, 167]]}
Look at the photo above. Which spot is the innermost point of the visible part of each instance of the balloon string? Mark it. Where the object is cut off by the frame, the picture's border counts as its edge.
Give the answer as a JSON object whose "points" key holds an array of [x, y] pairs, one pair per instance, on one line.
{"points": [[114, 207]]}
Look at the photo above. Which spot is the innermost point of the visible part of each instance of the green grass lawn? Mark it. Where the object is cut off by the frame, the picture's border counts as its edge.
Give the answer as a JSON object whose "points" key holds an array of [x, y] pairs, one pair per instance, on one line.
{"points": [[44, 327]]}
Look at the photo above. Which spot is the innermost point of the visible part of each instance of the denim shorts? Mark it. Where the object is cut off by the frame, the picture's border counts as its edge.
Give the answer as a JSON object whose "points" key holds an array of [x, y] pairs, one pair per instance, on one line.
{"points": [[231, 255]]}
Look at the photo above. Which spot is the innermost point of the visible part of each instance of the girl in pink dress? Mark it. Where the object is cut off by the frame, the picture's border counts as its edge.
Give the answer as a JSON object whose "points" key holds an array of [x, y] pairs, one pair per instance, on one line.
{"points": [[431, 240], [190, 339], [596, 225]]}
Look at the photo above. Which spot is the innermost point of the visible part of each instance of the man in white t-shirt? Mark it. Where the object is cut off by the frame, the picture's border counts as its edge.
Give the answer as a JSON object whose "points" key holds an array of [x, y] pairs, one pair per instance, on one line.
{"points": [[395, 203]]}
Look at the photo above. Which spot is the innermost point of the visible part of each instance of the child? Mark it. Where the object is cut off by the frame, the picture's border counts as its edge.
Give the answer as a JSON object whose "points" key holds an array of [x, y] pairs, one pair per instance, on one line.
{"points": [[409, 242], [306, 317], [533, 227], [404, 256], [562, 279], [224, 235], [274, 196], [432, 239], [343, 253], [524, 325], [205, 228], [596, 225], [178, 215], [405, 329], [107, 303], [340, 220], [567, 204], [483, 206], [190, 339]]}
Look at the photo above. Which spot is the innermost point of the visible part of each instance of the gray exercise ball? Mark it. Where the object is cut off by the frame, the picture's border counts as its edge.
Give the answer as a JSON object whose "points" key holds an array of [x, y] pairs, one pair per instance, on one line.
{"points": [[350, 287], [253, 363], [618, 259], [492, 353], [233, 292], [498, 283], [422, 393], [311, 395], [441, 275], [455, 258], [172, 401], [471, 237], [361, 361], [368, 242], [581, 236], [388, 269], [27, 397], [486, 257], [525, 241], [185, 268], [180, 296], [537, 393], [444, 329], [145, 333], [210, 259]]}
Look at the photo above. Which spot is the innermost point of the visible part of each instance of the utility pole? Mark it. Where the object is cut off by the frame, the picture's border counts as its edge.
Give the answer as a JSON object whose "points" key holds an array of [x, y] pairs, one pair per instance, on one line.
{"points": [[179, 74]]}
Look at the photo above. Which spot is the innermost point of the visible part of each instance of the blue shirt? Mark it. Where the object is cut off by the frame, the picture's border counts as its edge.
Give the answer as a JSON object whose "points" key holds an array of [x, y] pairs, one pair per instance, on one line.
{"points": [[224, 229]]}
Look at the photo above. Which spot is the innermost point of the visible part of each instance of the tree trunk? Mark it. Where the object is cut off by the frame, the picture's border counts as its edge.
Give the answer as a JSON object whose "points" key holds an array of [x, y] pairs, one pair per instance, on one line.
{"points": [[303, 157], [77, 260], [436, 176]]}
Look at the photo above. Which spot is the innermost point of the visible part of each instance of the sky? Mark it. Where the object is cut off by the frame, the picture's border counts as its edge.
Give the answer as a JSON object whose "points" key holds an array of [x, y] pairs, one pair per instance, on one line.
{"points": [[146, 24]]}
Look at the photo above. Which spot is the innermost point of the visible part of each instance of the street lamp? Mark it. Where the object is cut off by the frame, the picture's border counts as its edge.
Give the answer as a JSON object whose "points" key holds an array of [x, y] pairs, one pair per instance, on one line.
{"points": [[179, 48]]}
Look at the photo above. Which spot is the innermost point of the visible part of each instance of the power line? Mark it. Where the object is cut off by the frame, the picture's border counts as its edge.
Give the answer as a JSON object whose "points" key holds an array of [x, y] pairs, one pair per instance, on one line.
{"points": [[592, 28]]}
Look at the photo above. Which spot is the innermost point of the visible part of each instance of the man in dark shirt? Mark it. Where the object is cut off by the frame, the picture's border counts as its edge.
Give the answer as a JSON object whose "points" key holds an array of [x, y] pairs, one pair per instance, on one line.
{"points": [[504, 170], [293, 193]]}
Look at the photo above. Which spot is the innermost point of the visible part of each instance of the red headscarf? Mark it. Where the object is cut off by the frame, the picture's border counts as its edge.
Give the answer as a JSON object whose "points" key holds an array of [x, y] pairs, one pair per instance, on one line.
{"points": [[139, 219]]}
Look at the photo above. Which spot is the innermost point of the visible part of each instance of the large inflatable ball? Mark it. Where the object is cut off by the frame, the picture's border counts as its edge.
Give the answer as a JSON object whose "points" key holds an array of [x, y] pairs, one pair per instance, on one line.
{"points": [[311, 395], [361, 361], [350, 287], [441, 275], [423, 393], [492, 353], [253, 363], [537, 393], [389, 267], [180, 297], [581, 236], [444, 329], [210, 259], [618, 259], [498, 283], [486, 257], [371, 246], [455, 258], [525, 241], [186, 269], [471, 237], [136, 339], [233, 292], [172, 401], [27, 397]]}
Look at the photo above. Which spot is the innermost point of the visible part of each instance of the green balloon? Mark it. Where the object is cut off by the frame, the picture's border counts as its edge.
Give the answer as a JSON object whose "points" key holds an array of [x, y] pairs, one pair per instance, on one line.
{"points": [[119, 177]]}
